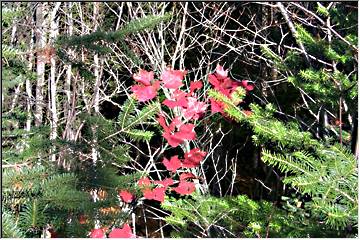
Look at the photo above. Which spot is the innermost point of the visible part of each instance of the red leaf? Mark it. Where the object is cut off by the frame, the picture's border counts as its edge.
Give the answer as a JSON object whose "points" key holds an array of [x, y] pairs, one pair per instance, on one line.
{"points": [[172, 165], [173, 78], [193, 158], [97, 233], [194, 108], [144, 77], [144, 182], [214, 81], [126, 196], [178, 99], [216, 106], [144, 93], [172, 139], [220, 72], [195, 85], [157, 194], [185, 188], [124, 232], [185, 176], [247, 86], [166, 182], [186, 132]]}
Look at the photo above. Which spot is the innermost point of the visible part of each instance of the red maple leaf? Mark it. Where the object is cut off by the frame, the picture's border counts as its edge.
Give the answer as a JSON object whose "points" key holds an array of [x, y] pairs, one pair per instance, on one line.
{"points": [[216, 106], [195, 85], [145, 93], [194, 108], [177, 99], [193, 158], [124, 232], [166, 182], [144, 77], [173, 78], [126, 196], [186, 132], [172, 165], [144, 182], [185, 188], [157, 194], [97, 233], [246, 85], [184, 176]]}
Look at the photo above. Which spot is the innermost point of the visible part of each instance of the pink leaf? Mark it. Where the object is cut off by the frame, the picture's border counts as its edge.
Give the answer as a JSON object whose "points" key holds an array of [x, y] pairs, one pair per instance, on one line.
{"points": [[124, 232], [185, 188], [220, 72], [247, 86], [194, 108], [172, 165], [145, 93], [144, 77], [216, 106], [97, 233], [173, 78], [126, 196]]}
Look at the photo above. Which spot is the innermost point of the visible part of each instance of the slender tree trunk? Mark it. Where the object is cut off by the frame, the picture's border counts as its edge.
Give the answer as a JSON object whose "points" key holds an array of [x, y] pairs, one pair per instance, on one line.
{"points": [[28, 85], [40, 65], [54, 115]]}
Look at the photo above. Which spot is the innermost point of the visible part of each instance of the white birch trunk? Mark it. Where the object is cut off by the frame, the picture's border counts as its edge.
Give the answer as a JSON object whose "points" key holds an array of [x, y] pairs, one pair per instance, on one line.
{"points": [[40, 65]]}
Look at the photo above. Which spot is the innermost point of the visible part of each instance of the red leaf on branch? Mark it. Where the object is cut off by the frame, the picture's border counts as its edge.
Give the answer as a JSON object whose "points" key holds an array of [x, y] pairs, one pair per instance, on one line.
{"points": [[186, 132], [172, 165], [166, 182], [126, 196], [185, 188], [247, 86], [195, 85], [173, 78], [178, 99], [194, 108], [145, 93], [193, 158], [157, 194], [144, 77], [144, 182], [97, 233], [124, 232], [185, 176]]}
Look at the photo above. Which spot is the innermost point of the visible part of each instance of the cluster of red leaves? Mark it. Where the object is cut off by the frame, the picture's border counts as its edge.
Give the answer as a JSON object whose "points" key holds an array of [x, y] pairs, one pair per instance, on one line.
{"points": [[225, 85], [124, 232], [179, 130]]}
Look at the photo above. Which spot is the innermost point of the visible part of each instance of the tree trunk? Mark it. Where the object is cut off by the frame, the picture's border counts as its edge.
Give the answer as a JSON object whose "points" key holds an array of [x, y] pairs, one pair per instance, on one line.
{"points": [[40, 65]]}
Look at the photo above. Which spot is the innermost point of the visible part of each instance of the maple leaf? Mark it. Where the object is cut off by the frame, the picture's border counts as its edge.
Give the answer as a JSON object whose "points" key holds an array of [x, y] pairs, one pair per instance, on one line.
{"points": [[194, 108], [220, 72], [144, 182], [186, 132], [193, 158], [97, 233], [145, 93], [247, 86], [166, 182], [185, 188], [216, 106], [184, 176], [172, 78], [124, 232], [157, 194], [144, 77], [126, 196], [172, 165], [195, 85]]}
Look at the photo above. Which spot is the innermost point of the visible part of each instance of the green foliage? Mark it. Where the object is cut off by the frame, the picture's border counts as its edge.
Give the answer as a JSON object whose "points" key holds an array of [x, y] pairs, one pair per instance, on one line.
{"points": [[207, 216], [326, 173], [9, 227]]}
